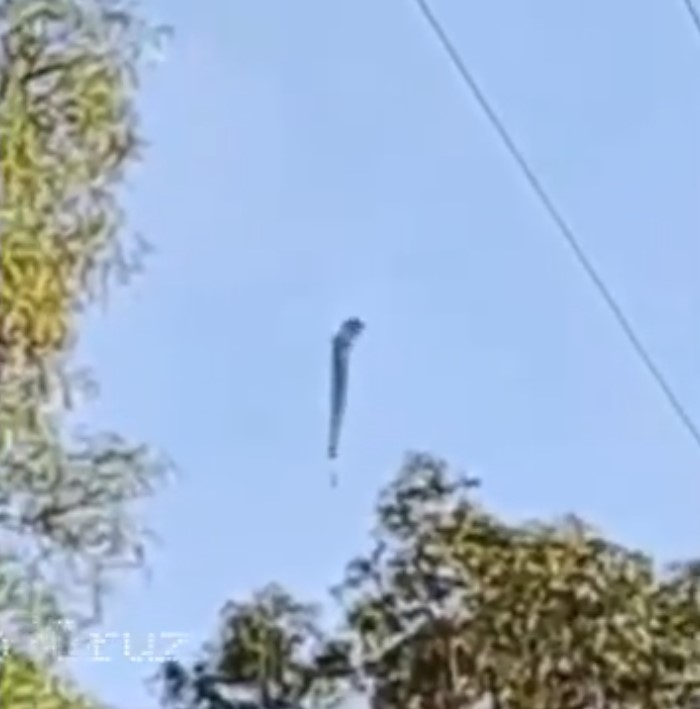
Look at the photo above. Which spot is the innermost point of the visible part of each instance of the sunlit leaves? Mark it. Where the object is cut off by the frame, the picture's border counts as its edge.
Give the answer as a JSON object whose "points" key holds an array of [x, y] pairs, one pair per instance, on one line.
{"points": [[458, 605], [26, 685], [69, 508], [68, 130], [270, 652], [274, 645], [454, 607]]}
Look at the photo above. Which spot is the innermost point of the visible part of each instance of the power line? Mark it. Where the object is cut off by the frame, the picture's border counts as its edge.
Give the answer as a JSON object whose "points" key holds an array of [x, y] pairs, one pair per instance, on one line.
{"points": [[564, 229], [693, 13]]}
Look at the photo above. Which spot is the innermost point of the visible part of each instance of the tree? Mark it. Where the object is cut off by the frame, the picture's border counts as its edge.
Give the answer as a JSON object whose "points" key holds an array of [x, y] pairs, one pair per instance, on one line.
{"points": [[68, 131], [270, 652], [24, 684], [454, 608]]}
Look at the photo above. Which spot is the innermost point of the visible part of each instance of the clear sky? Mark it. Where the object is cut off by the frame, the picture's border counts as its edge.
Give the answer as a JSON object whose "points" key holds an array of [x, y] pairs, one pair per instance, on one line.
{"points": [[312, 160]]}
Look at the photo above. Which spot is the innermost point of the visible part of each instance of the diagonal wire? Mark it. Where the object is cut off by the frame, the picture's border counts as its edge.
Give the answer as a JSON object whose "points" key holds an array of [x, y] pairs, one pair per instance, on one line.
{"points": [[564, 229], [693, 13]]}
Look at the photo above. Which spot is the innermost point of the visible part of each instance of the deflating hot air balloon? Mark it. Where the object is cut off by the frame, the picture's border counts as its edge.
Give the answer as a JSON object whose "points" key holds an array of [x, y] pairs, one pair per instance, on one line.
{"points": [[342, 346]]}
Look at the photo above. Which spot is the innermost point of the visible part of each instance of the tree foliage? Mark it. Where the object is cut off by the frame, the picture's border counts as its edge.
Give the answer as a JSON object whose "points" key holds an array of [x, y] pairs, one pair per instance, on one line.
{"points": [[454, 608], [24, 684], [68, 130], [68, 504], [270, 652]]}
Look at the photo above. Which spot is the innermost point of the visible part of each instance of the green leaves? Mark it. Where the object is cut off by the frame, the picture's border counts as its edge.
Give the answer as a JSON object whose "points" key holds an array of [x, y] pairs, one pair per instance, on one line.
{"points": [[68, 504], [532, 615], [25, 685], [68, 130], [453, 606], [274, 645]]}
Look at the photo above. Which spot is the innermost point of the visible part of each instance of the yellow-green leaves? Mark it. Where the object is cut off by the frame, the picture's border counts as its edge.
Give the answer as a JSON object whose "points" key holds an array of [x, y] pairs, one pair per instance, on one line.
{"points": [[454, 608], [456, 605], [67, 130], [26, 685]]}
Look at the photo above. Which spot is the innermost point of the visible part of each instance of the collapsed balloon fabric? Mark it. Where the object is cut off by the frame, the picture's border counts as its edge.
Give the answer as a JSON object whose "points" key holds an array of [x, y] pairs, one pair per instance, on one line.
{"points": [[341, 347]]}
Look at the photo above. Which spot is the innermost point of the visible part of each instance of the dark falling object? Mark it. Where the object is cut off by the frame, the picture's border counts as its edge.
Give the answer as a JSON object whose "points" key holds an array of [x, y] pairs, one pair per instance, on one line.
{"points": [[340, 364]]}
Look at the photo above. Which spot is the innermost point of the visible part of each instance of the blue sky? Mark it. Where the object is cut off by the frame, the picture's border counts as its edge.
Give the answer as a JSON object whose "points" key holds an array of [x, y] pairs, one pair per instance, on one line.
{"points": [[314, 160]]}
